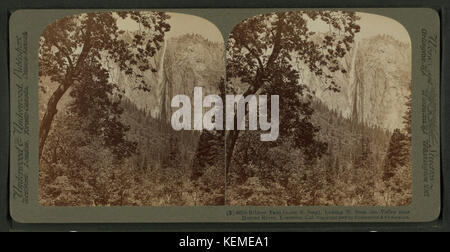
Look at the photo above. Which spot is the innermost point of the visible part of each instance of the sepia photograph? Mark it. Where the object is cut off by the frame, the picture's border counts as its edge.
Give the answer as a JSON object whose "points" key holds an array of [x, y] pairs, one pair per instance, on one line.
{"points": [[106, 81], [294, 108], [344, 85]]}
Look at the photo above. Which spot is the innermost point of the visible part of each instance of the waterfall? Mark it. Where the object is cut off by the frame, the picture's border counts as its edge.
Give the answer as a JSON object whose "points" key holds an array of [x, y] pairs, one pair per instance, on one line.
{"points": [[356, 79], [161, 84], [356, 86], [165, 85], [161, 65], [353, 70]]}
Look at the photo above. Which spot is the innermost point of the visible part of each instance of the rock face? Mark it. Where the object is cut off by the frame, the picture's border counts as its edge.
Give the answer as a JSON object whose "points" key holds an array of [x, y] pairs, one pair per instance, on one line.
{"points": [[373, 90], [182, 63], [376, 84]]}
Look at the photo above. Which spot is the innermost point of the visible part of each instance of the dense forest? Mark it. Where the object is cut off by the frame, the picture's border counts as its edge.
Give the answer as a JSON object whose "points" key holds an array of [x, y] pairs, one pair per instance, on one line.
{"points": [[363, 165], [107, 140], [357, 167], [83, 172]]}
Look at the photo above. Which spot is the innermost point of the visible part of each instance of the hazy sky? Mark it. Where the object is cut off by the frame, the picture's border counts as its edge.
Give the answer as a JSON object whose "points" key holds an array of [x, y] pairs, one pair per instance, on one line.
{"points": [[372, 24], [182, 24]]}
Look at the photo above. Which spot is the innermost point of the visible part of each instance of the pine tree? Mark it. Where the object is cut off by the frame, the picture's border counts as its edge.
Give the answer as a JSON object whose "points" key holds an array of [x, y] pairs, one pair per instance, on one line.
{"points": [[173, 157], [210, 149], [407, 118], [397, 165], [397, 154], [337, 165]]}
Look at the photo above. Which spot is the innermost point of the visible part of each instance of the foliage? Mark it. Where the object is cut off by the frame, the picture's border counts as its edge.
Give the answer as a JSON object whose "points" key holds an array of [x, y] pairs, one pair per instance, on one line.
{"points": [[397, 165], [69, 43], [72, 49], [93, 101], [346, 174], [260, 52], [320, 158]]}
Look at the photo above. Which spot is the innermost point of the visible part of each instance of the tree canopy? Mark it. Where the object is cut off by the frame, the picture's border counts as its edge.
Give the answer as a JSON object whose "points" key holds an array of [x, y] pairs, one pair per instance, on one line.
{"points": [[262, 53], [73, 49]]}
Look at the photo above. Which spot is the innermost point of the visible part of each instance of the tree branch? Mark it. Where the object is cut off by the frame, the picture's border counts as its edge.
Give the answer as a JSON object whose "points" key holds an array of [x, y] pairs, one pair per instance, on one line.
{"points": [[69, 60], [256, 57]]}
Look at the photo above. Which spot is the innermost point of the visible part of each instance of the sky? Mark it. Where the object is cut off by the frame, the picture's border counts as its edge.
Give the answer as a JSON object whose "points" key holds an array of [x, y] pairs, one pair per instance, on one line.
{"points": [[182, 24], [371, 25]]}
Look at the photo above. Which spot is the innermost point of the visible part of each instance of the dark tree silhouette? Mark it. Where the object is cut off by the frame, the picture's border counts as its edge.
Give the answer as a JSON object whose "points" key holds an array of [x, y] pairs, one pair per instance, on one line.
{"points": [[399, 150], [260, 52], [407, 118], [210, 149], [397, 154], [101, 114], [72, 46]]}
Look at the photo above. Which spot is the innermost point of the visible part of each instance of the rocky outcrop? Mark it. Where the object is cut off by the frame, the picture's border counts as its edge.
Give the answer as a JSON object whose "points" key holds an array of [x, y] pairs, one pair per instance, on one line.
{"points": [[376, 84], [181, 64]]}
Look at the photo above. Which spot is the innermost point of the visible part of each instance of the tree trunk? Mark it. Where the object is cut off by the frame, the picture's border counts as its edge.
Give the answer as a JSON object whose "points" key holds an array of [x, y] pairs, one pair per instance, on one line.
{"points": [[47, 120], [231, 140], [253, 89]]}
